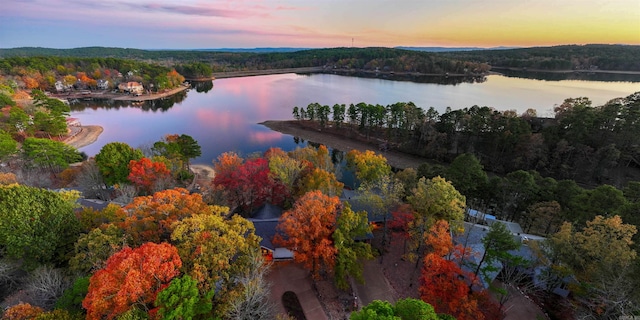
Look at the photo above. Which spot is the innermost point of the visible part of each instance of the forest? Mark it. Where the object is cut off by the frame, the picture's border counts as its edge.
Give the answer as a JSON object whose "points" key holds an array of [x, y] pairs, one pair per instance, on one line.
{"points": [[566, 57], [25, 74], [573, 57]]}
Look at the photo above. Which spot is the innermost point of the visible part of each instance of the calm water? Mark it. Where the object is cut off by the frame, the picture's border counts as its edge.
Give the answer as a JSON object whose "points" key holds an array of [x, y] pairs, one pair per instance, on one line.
{"points": [[224, 118]]}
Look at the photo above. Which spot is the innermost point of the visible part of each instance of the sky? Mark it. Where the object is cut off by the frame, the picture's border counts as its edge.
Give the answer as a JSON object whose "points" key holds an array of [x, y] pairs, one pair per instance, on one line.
{"points": [[189, 24]]}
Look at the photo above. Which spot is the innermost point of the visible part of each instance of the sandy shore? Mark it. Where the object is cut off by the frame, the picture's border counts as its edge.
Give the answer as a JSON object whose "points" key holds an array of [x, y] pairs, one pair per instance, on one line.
{"points": [[84, 136], [394, 158], [250, 73]]}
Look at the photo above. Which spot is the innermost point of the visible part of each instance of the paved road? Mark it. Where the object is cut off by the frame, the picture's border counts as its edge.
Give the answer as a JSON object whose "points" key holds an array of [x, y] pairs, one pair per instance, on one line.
{"points": [[376, 286], [286, 276]]}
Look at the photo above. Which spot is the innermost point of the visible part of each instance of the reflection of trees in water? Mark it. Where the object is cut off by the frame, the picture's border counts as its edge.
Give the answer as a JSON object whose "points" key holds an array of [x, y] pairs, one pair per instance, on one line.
{"points": [[161, 105], [558, 76], [202, 86], [413, 77]]}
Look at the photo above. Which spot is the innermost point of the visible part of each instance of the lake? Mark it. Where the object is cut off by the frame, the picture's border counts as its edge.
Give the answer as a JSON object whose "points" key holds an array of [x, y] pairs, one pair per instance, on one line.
{"points": [[224, 117]]}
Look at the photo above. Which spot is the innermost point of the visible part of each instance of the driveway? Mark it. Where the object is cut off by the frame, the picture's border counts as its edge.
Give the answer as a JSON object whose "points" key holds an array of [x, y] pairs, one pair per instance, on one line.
{"points": [[286, 276], [375, 287]]}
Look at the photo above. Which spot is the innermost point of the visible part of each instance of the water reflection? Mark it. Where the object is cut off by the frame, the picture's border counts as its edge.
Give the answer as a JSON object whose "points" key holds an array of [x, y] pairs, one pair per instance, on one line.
{"points": [[202, 86], [413, 77], [225, 118], [558, 76], [162, 105]]}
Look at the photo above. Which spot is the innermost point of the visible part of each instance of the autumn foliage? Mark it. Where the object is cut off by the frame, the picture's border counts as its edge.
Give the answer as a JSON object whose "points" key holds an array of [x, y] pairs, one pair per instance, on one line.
{"points": [[443, 283], [248, 184], [307, 229], [144, 173], [131, 277], [149, 218], [22, 311]]}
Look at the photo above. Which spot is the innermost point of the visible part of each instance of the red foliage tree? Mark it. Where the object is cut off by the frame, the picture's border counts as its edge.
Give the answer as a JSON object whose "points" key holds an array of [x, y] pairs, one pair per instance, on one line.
{"points": [[443, 286], [144, 173], [131, 277], [399, 225], [307, 229], [248, 185]]}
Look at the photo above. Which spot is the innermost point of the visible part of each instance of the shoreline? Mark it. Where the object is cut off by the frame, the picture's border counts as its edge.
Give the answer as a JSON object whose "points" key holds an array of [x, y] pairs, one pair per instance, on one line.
{"points": [[83, 136], [119, 96], [252, 73], [396, 159]]}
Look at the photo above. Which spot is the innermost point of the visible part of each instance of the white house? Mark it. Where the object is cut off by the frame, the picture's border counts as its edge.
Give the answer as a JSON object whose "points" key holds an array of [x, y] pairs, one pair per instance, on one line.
{"points": [[103, 84], [131, 87]]}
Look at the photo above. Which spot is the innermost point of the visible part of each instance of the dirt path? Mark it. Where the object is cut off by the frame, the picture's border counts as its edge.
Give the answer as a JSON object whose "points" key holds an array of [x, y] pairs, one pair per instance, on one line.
{"points": [[394, 158], [83, 136]]}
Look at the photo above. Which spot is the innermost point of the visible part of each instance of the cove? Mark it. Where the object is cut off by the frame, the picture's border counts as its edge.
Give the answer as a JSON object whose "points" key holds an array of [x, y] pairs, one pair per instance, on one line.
{"points": [[224, 116]]}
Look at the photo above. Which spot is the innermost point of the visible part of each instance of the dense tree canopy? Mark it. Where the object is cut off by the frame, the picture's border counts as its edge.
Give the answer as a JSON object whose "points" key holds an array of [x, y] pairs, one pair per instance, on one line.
{"points": [[36, 225], [307, 229], [132, 278], [113, 161]]}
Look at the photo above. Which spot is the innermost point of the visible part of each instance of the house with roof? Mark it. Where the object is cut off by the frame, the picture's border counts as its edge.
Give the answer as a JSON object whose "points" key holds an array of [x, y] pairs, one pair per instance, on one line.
{"points": [[131, 87], [265, 220], [472, 238], [103, 84]]}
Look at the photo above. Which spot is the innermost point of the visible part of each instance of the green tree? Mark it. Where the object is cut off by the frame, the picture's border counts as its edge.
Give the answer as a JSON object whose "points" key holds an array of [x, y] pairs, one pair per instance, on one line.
{"points": [[71, 299], [467, 175], [94, 248], [414, 309], [497, 244], [181, 300], [432, 200], [351, 226], [381, 196], [51, 154], [378, 310], [113, 161], [8, 146], [404, 309], [601, 258], [36, 225]]}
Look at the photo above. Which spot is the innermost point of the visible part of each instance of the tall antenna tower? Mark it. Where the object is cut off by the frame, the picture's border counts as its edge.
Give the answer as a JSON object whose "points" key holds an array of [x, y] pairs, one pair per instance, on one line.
{"points": [[351, 42]]}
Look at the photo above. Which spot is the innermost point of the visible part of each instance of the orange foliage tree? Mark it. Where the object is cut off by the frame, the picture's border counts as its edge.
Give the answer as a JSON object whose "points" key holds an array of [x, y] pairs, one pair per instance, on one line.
{"points": [[131, 277], [144, 173], [149, 218], [22, 311], [443, 283], [307, 229]]}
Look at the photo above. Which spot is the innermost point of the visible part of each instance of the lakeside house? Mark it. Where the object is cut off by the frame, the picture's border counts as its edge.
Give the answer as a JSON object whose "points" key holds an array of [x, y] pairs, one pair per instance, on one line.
{"points": [[131, 87], [61, 87], [265, 220], [103, 84]]}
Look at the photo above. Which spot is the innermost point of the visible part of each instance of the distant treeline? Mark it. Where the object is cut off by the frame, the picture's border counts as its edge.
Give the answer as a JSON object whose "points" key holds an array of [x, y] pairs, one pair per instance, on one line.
{"points": [[385, 59], [589, 144], [569, 57], [85, 73]]}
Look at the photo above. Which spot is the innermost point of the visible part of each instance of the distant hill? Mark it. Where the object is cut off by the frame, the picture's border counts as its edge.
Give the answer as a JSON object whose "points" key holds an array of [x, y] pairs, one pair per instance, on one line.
{"points": [[416, 59], [453, 49], [255, 50]]}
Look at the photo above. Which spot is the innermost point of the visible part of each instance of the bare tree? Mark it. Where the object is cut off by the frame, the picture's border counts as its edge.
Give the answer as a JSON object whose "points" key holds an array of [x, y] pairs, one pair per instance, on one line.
{"points": [[46, 285], [254, 301], [90, 181], [9, 269]]}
